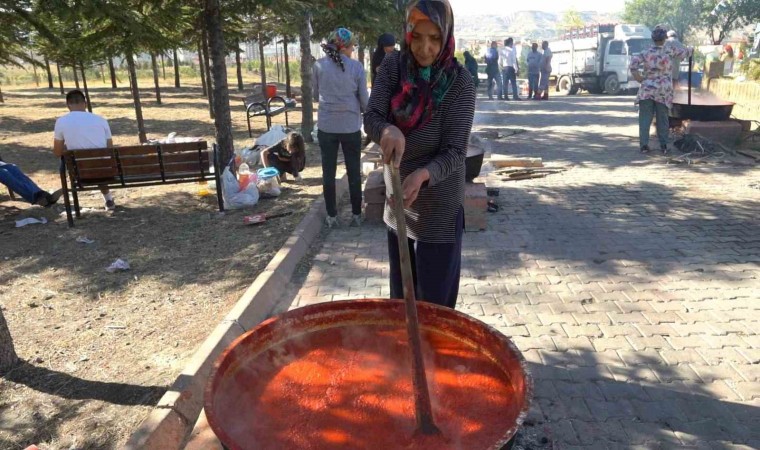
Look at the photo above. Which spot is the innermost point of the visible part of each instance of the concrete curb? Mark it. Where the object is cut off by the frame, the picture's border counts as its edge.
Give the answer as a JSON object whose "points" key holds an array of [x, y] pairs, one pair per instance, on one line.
{"points": [[171, 422]]}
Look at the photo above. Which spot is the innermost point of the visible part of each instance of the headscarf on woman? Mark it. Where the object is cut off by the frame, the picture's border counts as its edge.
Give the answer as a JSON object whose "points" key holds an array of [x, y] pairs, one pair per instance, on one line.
{"points": [[337, 41], [385, 40], [423, 88]]}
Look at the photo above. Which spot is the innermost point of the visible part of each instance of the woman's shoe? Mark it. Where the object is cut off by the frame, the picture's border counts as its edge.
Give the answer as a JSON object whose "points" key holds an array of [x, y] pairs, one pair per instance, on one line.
{"points": [[644, 149], [664, 149], [356, 220], [332, 222]]}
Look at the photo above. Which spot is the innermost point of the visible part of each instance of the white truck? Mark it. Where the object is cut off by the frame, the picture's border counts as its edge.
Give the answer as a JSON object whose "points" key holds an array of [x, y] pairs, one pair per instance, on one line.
{"points": [[596, 58]]}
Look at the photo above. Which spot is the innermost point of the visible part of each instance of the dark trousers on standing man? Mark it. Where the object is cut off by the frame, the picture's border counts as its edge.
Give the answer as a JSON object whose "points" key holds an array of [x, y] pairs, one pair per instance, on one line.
{"points": [[436, 268], [351, 144], [510, 76]]}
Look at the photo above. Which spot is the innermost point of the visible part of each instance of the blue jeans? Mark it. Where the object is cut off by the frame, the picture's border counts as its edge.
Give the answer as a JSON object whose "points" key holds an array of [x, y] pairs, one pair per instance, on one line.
{"points": [[532, 85], [14, 178], [510, 75], [499, 87], [647, 110]]}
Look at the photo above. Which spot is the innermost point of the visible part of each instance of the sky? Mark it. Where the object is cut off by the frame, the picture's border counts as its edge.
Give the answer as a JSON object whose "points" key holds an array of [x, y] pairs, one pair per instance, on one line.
{"points": [[472, 7]]}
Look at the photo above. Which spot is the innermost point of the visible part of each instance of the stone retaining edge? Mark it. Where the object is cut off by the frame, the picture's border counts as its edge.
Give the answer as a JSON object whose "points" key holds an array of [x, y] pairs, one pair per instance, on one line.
{"points": [[170, 423]]}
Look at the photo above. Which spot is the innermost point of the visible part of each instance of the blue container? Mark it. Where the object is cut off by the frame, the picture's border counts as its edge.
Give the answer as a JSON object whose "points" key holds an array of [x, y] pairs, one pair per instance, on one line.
{"points": [[696, 78], [267, 173]]}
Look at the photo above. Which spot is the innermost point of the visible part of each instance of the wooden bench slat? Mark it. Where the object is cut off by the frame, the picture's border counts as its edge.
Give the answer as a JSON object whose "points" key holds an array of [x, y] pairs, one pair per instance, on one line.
{"points": [[96, 163], [136, 150], [143, 160], [97, 173], [183, 146]]}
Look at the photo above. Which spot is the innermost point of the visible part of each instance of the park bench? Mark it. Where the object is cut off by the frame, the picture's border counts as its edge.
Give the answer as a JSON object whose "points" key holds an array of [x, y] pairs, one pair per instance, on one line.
{"points": [[137, 166], [256, 106]]}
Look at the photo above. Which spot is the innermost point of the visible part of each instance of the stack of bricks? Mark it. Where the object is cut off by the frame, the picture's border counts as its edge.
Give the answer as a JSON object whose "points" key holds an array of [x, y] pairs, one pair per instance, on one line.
{"points": [[475, 206], [374, 196]]}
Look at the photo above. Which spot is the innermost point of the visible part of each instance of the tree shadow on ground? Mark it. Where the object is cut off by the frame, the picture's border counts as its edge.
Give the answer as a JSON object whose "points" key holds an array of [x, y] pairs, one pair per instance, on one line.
{"points": [[610, 228], [582, 400], [67, 386]]}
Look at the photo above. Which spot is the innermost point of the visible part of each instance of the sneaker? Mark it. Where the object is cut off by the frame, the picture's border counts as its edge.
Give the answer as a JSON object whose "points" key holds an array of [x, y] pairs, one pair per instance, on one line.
{"points": [[644, 149], [664, 149], [332, 222], [110, 205], [356, 220]]}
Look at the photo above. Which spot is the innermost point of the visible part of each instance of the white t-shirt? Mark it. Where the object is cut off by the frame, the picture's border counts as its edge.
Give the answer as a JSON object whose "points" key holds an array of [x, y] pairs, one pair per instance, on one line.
{"points": [[81, 129]]}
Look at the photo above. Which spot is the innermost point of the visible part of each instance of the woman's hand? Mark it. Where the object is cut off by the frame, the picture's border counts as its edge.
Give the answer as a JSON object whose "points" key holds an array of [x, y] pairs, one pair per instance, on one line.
{"points": [[392, 144], [411, 187], [638, 76]]}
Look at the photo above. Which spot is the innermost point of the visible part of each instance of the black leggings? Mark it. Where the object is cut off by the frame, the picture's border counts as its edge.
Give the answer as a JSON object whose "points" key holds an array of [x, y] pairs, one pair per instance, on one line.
{"points": [[351, 144]]}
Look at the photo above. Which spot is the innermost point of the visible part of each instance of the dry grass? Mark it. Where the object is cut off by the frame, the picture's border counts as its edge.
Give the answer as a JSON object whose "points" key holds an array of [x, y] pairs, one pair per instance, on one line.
{"points": [[100, 348]]}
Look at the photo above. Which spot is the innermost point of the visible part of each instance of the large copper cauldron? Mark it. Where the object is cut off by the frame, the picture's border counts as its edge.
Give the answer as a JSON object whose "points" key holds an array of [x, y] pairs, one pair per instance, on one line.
{"points": [[253, 400]]}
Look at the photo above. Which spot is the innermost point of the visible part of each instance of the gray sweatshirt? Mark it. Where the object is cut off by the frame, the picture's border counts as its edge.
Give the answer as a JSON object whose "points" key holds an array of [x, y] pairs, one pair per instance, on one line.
{"points": [[342, 95]]}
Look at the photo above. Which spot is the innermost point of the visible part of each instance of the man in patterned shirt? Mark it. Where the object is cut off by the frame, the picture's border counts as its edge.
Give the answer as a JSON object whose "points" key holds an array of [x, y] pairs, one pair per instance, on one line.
{"points": [[653, 68]]}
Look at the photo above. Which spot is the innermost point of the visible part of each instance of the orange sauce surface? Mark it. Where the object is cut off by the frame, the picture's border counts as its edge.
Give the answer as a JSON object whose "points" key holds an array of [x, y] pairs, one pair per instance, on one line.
{"points": [[351, 388]]}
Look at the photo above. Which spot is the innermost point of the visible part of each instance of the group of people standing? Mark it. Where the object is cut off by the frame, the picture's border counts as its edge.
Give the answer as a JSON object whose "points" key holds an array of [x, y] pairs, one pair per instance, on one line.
{"points": [[420, 112], [503, 67]]}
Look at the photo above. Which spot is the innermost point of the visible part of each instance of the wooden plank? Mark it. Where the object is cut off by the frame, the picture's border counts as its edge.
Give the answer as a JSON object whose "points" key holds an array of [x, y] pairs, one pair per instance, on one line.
{"points": [[97, 174], [185, 157], [193, 167], [96, 163], [183, 146], [91, 152], [135, 150], [143, 160], [507, 161]]}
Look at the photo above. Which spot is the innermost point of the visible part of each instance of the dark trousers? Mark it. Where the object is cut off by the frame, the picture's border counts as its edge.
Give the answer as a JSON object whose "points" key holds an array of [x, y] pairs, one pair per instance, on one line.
{"points": [[494, 78], [510, 76], [435, 267], [351, 144]]}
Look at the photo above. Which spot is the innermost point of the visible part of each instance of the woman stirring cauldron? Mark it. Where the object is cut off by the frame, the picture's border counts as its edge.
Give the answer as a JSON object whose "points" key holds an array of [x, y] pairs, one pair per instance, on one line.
{"points": [[656, 91], [420, 112]]}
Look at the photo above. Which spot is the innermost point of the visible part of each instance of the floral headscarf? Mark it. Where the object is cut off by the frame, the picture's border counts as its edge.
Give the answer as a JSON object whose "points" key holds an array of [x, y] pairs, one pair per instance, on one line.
{"points": [[338, 40], [422, 89]]}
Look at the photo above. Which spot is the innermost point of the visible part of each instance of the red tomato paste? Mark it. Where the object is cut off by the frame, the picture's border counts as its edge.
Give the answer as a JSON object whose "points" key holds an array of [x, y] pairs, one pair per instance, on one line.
{"points": [[351, 388]]}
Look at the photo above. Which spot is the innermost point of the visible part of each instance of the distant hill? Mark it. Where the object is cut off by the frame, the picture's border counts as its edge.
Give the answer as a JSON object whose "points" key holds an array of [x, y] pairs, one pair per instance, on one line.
{"points": [[522, 24]]}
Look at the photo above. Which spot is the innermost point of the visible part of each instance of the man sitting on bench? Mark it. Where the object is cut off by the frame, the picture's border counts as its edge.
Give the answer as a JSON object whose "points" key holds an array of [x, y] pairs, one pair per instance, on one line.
{"points": [[79, 130], [18, 182]]}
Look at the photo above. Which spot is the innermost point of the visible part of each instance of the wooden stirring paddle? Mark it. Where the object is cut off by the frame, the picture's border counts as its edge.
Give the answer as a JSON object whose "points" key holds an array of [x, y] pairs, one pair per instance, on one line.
{"points": [[423, 408]]}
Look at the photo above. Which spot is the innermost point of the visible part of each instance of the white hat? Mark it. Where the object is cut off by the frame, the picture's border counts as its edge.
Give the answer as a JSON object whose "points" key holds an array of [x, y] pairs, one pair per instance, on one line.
{"points": [[672, 33]]}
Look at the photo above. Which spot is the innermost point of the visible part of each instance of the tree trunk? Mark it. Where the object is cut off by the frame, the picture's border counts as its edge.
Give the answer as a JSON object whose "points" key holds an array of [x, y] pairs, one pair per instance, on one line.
{"points": [[76, 76], [239, 67], [176, 69], [307, 109], [201, 67], [361, 55], [102, 74], [60, 78], [263, 70], [207, 70], [223, 121], [8, 357], [34, 67], [112, 71], [155, 77], [277, 58], [86, 91], [136, 97], [288, 92], [2, 100], [49, 73], [163, 66]]}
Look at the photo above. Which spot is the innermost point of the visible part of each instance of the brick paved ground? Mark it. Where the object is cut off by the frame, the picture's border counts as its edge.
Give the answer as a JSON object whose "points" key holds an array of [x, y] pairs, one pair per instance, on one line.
{"points": [[632, 287]]}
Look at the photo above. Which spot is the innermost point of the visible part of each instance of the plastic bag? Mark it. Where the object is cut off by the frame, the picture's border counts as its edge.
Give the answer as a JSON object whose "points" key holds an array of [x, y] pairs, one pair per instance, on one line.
{"points": [[234, 199], [272, 137]]}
